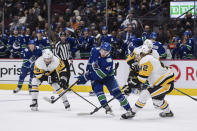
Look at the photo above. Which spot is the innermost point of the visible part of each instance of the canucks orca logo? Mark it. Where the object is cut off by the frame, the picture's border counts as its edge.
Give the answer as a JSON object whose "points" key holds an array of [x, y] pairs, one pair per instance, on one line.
{"points": [[16, 45]]}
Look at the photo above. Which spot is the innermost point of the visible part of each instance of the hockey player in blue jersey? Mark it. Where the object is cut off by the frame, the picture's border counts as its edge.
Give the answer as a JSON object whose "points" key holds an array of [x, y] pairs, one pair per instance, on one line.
{"points": [[176, 49], [146, 33], [130, 40], [186, 49], [106, 37], [100, 72], [15, 43], [86, 42], [28, 34], [71, 41], [22, 34], [29, 57], [40, 41], [158, 45], [4, 51]]}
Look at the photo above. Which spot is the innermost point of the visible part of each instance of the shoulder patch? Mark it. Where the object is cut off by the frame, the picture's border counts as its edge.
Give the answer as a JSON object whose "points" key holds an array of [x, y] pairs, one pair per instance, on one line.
{"points": [[98, 48], [26, 49], [109, 60]]}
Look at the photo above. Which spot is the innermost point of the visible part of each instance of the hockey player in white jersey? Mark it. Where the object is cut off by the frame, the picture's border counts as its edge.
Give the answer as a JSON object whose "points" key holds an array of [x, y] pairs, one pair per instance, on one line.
{"points": [[51, 69], [133, 62], [161, 82]]}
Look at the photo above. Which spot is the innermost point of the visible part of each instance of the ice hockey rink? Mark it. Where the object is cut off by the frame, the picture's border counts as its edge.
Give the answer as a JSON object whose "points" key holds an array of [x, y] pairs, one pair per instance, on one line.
{"points": [[15, 115]]}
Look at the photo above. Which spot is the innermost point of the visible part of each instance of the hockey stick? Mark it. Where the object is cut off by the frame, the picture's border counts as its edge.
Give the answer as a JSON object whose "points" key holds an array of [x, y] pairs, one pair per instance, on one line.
{"points": [[186, 94], [53, 100], [84, 98], [116, 67], [97, 109]]}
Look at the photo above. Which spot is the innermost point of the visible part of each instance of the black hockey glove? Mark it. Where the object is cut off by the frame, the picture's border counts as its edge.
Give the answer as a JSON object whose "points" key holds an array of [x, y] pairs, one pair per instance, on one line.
{"points": [[63, 82], [126, 90]]}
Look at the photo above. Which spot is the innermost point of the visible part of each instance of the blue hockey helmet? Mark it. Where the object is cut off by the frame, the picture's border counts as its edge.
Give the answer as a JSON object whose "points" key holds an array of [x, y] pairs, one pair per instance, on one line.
{"points": [[38, 31], [15, 28], [85, 29], [31, 42], [23, 28], [104, 28], [176, 38], [153, 35], [106, 46], [42, 31], [187, 33]]}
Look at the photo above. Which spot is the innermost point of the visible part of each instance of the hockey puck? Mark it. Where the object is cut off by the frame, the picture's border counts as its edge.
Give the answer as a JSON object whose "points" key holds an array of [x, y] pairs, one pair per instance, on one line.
{"points": [[52, 97]]}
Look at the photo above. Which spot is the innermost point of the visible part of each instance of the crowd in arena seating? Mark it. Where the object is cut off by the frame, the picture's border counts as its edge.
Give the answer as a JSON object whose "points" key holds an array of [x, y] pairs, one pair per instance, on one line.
{"points": [[84, 25]]}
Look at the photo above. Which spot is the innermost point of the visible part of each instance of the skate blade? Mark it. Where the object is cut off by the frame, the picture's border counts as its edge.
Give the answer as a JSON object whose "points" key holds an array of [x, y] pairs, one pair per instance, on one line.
{"points": [[110, 114], [68, 109], [34, 108]]}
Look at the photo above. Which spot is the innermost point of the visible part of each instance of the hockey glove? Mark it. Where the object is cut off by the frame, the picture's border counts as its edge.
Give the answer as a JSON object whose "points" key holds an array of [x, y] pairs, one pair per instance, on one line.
{"points": [[82, 79], [127, 90], [63, 82], [95, 65]]}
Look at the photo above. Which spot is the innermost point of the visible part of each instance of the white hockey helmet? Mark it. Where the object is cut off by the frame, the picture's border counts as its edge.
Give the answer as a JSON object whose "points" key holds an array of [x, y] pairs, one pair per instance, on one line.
{"points": [[145, 49], [148, 43], [46, 53]]}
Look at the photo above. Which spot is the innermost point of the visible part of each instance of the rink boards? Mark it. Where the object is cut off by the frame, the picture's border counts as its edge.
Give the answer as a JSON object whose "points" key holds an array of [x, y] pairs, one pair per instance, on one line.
{"points": [[185, 71]]}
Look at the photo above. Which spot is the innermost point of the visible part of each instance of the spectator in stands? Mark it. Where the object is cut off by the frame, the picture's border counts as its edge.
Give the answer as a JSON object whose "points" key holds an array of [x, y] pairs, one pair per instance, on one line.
{"points": [[85, 44], [15, 43], [4, 50]]}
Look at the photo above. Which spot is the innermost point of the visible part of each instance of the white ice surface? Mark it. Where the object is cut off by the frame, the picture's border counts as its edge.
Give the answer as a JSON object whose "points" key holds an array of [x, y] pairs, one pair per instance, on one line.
{"points": [[15, 115]]}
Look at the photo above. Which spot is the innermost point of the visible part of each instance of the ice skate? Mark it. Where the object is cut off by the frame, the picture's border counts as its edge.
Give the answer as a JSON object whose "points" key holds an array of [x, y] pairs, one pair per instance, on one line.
{"points": [[163, 114], [108, 110], [129, 114], [29, 91], [67, 105], [91, 93], [16, 90], [34, 105]]}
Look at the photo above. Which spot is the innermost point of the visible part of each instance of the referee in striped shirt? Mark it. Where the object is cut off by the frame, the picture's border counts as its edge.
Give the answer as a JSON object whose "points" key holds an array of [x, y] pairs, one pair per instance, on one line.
{"points": [[62, 51]]}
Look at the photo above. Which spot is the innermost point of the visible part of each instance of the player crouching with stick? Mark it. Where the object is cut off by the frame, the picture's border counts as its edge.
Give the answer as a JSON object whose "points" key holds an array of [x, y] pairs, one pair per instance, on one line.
{"points": [[51, 69], [100, 73], [161, 82]]}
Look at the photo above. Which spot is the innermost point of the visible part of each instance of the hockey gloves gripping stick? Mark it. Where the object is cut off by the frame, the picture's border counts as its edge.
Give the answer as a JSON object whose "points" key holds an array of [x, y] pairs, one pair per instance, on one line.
{"points": [[52, 100]]}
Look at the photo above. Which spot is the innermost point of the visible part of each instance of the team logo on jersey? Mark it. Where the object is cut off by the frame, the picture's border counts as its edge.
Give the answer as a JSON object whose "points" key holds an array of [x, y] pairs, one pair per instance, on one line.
{"points": [[16, 45], [176, 70]]}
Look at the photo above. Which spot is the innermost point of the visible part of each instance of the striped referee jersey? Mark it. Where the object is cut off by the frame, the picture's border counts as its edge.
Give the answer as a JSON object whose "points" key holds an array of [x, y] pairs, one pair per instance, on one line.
{"points": [[62, 50]]}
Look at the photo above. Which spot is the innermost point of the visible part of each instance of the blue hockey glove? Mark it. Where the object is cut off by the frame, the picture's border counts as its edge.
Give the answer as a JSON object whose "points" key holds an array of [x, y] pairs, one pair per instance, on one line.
{"points": [[95, 65], [82, 79]]}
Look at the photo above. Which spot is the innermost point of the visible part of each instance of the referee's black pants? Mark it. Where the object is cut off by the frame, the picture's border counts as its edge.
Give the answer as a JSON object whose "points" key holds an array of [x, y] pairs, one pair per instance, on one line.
{"points": [[68, 71]]}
